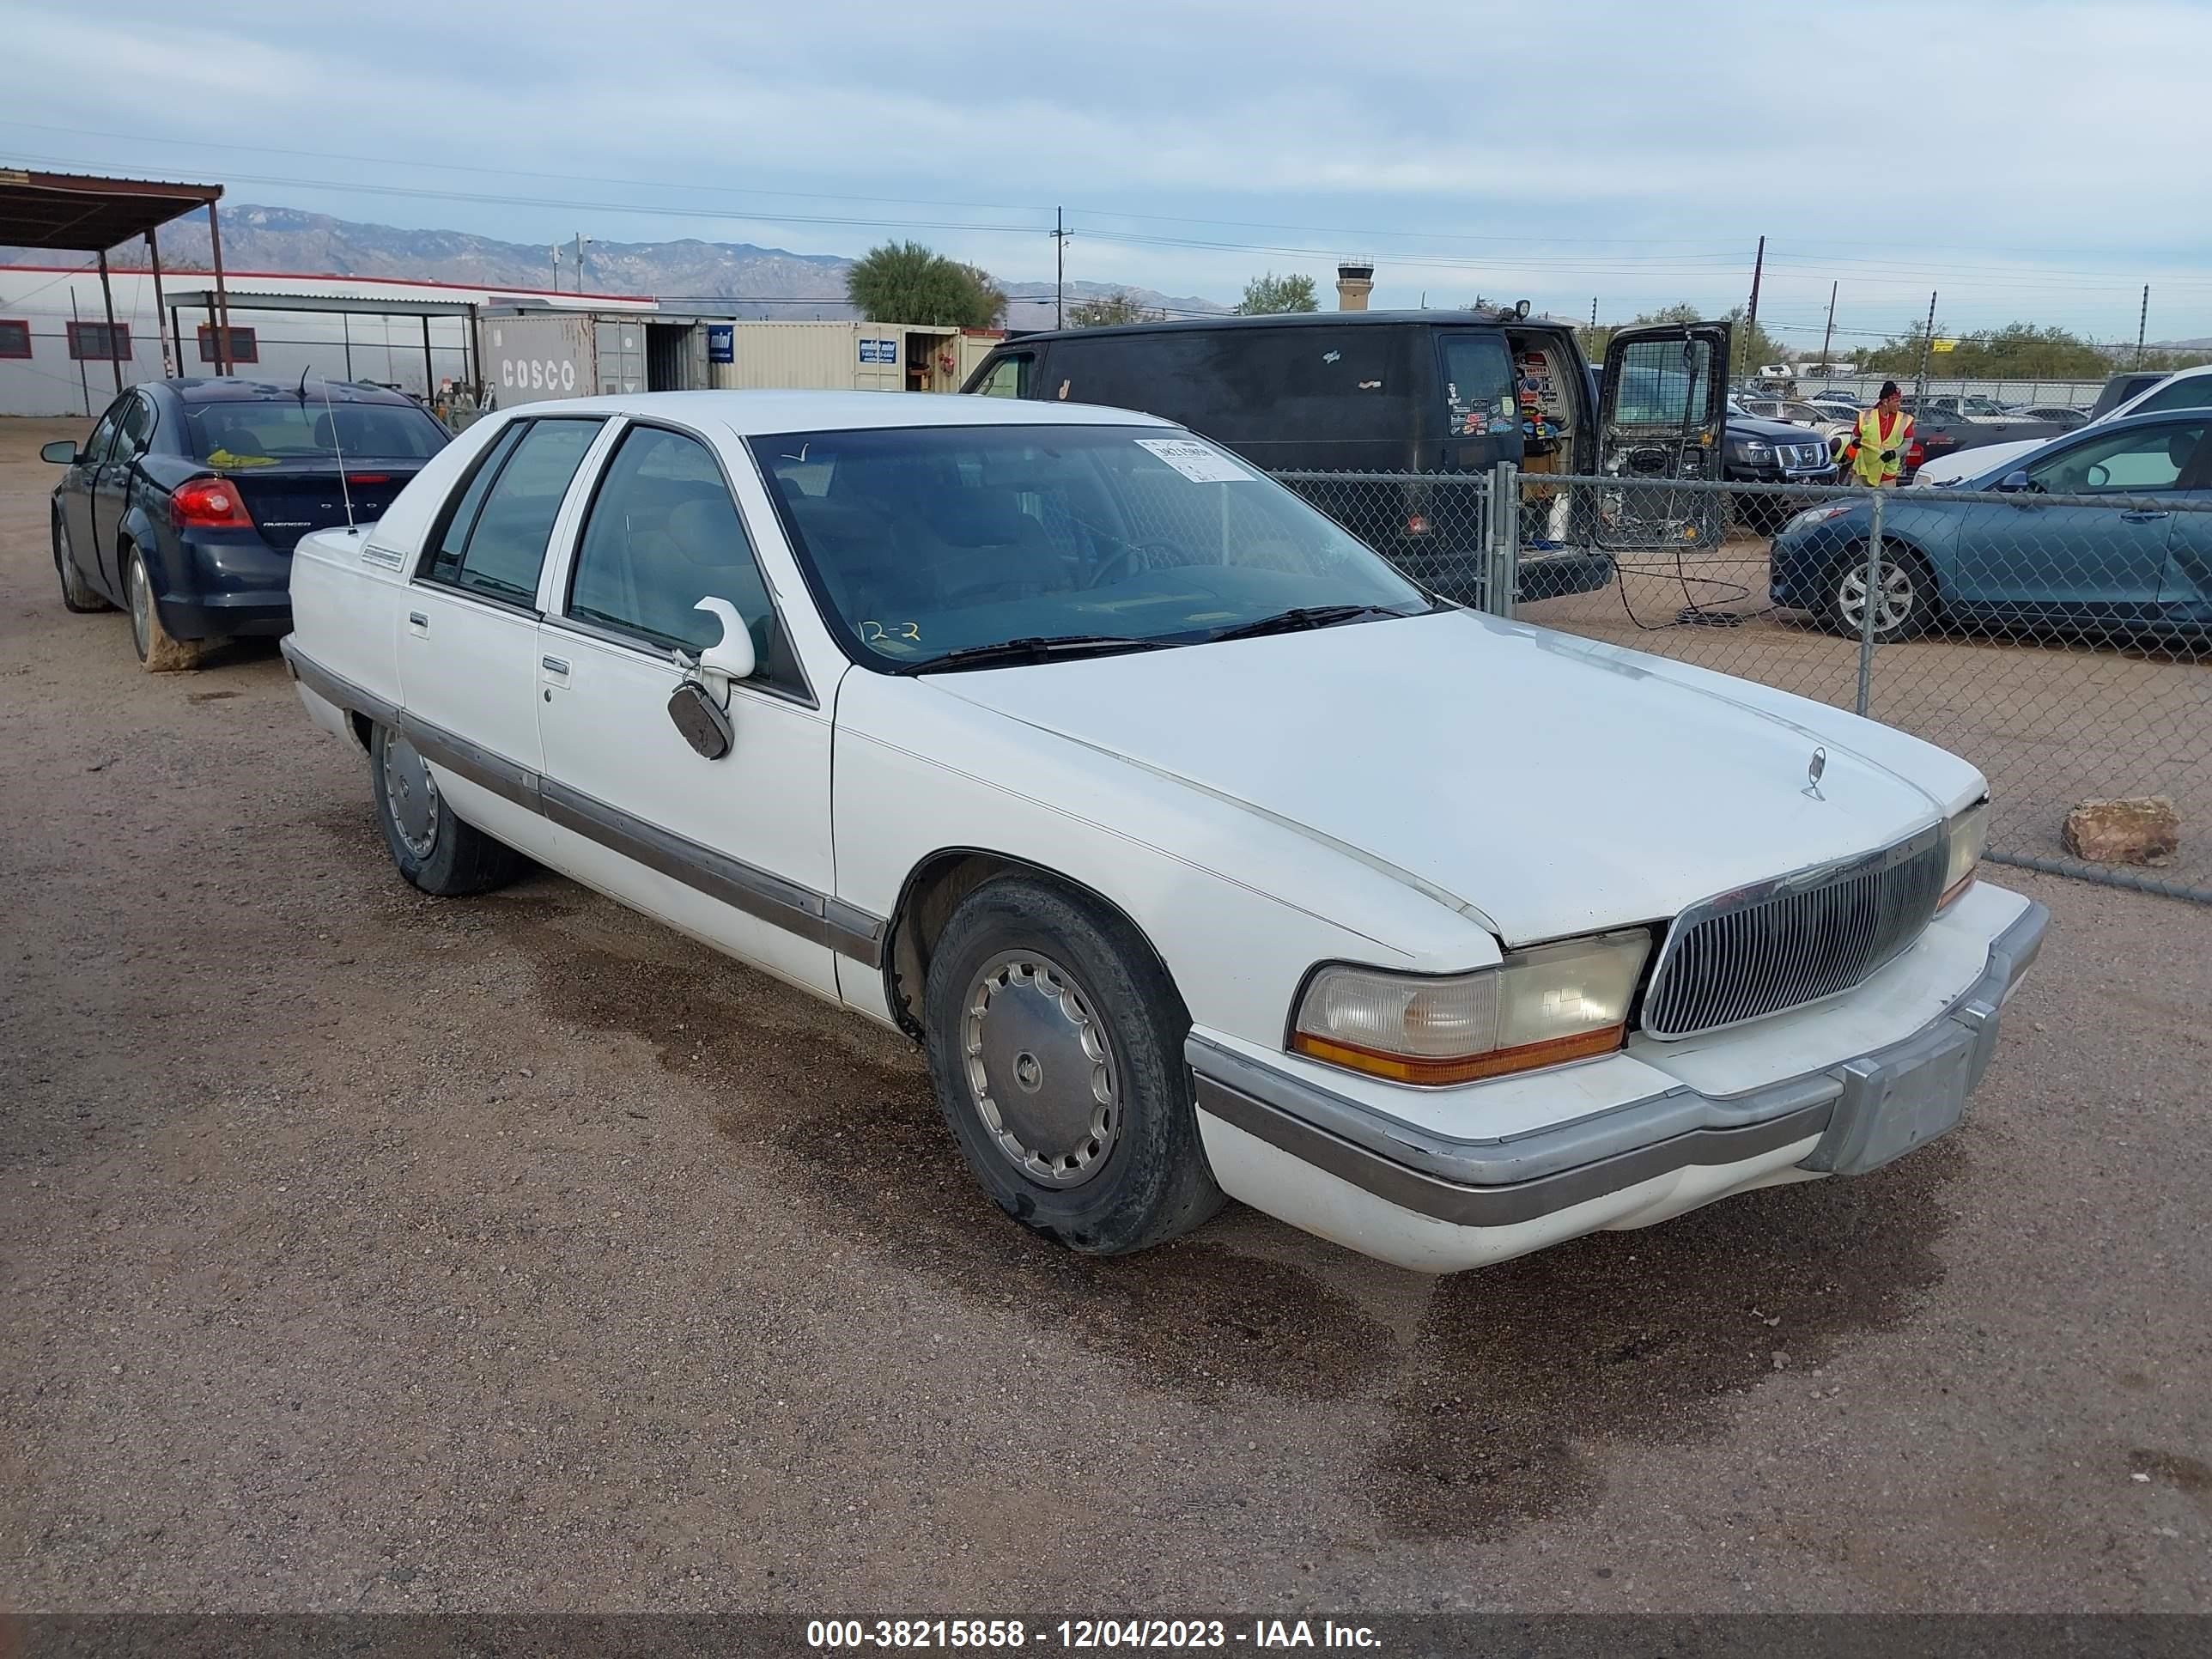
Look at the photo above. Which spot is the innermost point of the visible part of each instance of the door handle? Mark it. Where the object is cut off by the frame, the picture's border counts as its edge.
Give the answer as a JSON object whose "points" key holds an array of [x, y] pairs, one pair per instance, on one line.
{"points": [[554, 665], [2143, 518], [418, 624]]}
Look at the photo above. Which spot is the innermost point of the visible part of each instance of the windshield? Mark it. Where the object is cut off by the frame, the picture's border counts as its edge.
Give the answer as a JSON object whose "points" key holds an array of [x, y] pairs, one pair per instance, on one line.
{"points": [[922, 542], [235, 433]]}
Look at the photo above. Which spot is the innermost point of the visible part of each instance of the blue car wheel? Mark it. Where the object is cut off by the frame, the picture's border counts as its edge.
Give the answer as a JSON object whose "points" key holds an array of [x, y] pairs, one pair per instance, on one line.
{"points": [[1904, 595]]}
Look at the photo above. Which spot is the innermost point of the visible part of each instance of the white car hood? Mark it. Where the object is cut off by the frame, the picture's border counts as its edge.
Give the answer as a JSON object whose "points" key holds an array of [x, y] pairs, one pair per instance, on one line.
{"points": [[1543, 784]]}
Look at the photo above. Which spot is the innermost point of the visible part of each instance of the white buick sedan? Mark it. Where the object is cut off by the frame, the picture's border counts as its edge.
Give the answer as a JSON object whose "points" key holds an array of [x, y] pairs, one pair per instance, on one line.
{"points": [[1203, 852]]}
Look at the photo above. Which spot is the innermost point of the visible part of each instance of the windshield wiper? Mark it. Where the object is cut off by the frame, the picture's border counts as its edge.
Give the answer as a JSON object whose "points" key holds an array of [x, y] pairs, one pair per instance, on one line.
{"points": [[1031, 649], [1302, 617]]}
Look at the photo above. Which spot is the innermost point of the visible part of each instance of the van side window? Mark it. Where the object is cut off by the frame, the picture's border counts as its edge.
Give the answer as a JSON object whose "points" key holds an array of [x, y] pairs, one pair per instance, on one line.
{"points": [[1478, 394], [1009, 377]]}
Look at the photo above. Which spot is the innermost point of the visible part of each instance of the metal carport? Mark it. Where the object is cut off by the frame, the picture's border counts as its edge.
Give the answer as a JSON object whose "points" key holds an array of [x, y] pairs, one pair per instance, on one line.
{"points": [[84, 213]]}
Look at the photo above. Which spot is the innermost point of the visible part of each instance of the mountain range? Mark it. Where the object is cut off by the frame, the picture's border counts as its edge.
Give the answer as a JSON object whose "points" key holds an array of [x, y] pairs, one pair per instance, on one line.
{"points": [[739, 277]]}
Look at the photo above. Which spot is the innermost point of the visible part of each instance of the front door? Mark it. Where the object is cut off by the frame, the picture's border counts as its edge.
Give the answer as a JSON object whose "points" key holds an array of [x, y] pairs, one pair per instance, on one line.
{"points": [[468, 647], [2080, 561], [734, 847], [1661, 407], [111, 485]]}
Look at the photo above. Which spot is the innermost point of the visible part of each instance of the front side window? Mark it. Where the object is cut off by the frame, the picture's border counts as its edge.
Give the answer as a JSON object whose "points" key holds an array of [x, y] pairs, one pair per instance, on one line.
{"points": [[1009, 378], [494, 540], [922, 542], [663, 534], [2121, 463], [95, 448]]}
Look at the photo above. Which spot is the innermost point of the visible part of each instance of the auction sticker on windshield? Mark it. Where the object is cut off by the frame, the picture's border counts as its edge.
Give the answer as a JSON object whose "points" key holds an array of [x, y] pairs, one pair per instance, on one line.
{"points": [[1200, 463]]}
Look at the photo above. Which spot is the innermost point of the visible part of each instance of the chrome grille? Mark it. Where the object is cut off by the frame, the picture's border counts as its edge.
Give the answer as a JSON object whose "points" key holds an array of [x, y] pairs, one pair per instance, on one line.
{"points": [[1803, 455], [1785, 942]]}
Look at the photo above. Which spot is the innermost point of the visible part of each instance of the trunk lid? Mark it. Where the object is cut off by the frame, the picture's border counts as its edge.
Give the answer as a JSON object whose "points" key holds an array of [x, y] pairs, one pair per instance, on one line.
{"points": [[291, 498]]}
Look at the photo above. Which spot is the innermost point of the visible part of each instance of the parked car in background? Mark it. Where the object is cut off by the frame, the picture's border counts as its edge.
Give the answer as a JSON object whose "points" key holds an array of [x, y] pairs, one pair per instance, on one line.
{"points": [[2062, 416], [184, 505], [2188, 388], [1771, 452], [1146, 801], [2126, 568], [2124, 388]]}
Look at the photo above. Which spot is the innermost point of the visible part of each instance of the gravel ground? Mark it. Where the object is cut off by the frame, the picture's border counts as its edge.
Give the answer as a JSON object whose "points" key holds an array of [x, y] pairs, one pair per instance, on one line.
{"points": [[360, 1250]]}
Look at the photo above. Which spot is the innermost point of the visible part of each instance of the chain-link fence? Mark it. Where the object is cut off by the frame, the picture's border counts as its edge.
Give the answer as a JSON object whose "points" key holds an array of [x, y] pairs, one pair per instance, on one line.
{"points": [[2057, 633]]}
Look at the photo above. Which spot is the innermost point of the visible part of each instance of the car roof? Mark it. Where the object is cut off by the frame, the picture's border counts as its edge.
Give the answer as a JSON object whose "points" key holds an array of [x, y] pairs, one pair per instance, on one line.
{"points": [[751, 413], [229, 388], [1286, 319]]}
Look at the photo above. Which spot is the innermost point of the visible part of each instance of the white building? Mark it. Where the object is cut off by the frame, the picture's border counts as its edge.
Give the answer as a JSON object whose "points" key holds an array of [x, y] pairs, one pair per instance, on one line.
{"points": [[54, 350]]}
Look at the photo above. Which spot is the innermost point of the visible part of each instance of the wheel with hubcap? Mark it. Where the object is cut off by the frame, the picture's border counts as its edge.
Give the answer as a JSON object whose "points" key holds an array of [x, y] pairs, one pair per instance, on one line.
{"points": [[159, 651], [433, 848], [1904, 595], [77, 594], [1056, 1043]]}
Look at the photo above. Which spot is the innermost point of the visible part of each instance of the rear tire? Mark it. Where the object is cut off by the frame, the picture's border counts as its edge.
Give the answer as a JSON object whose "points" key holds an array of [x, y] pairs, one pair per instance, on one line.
{"points": [[77, 594], [1055, 1042], [159, 651], [434, 849]]}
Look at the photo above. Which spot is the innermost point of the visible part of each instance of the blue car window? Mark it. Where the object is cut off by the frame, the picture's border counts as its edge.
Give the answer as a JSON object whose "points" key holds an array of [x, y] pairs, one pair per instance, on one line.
{"points": [[2118, 463]]}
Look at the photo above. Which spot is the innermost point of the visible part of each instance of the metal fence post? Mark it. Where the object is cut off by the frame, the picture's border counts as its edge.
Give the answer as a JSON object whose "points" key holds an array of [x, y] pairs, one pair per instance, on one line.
{"points": [[1873, 598], [1501, 574]]}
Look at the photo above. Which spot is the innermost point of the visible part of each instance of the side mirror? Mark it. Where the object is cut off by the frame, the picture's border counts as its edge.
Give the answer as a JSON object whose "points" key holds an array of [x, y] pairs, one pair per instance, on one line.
{"points": [[62, 452], [2016, 479], [733, 656]]}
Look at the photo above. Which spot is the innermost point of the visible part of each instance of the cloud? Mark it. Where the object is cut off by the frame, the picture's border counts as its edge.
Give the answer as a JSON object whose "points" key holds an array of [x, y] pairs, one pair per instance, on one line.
{"points": [[1605, 147]]}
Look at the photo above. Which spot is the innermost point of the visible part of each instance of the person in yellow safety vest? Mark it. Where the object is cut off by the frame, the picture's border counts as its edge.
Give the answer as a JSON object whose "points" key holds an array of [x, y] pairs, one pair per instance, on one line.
{"points": [[1875, 453]]}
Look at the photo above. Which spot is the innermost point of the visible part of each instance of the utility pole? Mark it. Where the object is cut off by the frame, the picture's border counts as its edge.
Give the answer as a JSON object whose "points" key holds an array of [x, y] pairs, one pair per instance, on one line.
{"points": [[1831, 333], [556, 267], [1751, 323], [580, 240], [2143, 324], [1059, 269], [1927, 345]]}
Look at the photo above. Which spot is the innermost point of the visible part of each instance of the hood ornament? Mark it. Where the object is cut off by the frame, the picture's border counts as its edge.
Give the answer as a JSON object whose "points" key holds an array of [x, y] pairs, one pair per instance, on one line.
{"points": [[1818, 765]]}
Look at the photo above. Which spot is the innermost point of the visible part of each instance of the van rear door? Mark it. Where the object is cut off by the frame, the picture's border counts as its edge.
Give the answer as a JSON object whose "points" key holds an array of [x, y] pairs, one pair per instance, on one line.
{"points": [[1661, 405]]}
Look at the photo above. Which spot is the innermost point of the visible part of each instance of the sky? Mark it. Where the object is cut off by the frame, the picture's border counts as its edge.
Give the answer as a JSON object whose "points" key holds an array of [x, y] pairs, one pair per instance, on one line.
{"points": [[2036, 159]]}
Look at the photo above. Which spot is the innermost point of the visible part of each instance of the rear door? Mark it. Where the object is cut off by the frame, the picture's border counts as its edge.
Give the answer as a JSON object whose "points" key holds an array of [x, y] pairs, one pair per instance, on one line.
{"points": [[77, 488], [1662, 406]]}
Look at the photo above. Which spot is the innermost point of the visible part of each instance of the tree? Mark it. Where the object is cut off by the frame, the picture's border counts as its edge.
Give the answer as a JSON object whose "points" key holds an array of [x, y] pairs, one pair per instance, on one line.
{"points": [[1119, 307], [994, 296], [1749, 345], [907, 282], [1269, 295]]}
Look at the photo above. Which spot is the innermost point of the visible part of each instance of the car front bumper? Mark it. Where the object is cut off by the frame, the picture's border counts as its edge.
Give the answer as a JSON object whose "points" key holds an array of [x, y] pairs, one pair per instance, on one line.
{"points": [[1339, 1167]]}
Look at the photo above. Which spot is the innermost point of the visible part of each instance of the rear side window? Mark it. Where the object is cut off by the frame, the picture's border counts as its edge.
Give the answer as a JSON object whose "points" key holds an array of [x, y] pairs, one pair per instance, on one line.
{"points": [[493, 542], [1478, 390], [137, 427], [2182, 391]]}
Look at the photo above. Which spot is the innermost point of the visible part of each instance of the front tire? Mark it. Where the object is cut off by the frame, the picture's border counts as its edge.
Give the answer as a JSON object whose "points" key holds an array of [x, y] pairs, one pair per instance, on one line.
{"points": [[434, 849], [1904, 595], [1056, 1042], [159, 651], [77, 594]]}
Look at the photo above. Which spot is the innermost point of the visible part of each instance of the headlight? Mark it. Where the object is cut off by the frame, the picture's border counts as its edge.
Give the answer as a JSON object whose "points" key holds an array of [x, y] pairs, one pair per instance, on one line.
{"points": [[1812, 515], [1967, 834], [1757, 453], [1538, 1007]]}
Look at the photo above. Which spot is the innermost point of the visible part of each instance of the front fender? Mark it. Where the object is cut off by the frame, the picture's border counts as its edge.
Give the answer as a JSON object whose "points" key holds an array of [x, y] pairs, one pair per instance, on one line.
{"points": [[1238, 907]]}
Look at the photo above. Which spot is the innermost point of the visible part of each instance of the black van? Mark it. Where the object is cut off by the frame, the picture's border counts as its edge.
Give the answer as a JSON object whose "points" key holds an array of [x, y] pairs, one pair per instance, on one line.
{"points": [[1421, 392]]}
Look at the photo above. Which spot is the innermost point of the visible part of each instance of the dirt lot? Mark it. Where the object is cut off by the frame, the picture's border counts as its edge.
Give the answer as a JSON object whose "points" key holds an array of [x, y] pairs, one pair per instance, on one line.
{"points": [[361, 1250]]}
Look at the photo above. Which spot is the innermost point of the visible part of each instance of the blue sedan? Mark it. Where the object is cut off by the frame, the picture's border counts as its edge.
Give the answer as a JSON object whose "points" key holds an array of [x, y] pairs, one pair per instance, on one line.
{"points": [[184, 505], [2142, 564]]}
